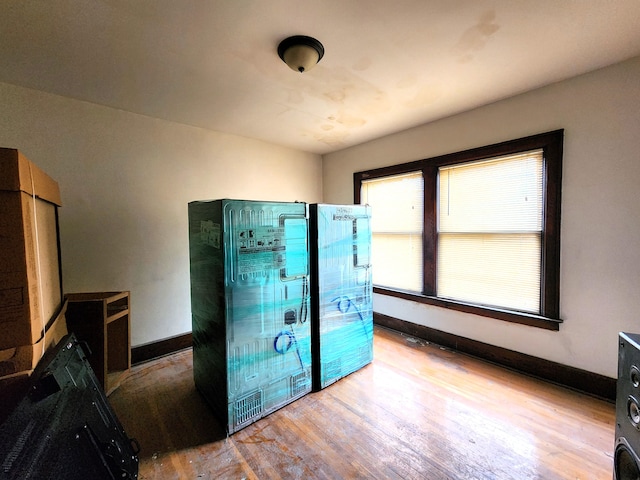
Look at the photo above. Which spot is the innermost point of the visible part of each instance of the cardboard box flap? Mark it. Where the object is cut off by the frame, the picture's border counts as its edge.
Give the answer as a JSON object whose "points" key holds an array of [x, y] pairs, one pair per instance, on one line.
{"points": [[17, 173], [26, 357]]}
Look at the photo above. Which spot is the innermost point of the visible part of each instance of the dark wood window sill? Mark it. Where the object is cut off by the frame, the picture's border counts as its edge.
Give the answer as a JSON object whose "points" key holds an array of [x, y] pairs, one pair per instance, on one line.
{"points": [[521, 318]]}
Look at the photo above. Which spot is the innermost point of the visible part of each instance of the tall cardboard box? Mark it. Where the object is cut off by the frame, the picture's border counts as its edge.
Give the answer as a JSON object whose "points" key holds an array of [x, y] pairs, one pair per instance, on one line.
{"points": [[24, 358], [17, 363], [30, 276]]}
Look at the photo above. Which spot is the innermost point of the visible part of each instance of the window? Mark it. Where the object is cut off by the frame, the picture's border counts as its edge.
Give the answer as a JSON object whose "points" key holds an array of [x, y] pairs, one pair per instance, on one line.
{"points": [[477, 231], [396, 230], [490, 231]]}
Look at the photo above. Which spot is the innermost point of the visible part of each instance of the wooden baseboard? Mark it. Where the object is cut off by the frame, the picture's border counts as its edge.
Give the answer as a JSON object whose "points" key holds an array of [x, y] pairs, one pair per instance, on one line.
{"points": [[149, 351], [575, 378]]}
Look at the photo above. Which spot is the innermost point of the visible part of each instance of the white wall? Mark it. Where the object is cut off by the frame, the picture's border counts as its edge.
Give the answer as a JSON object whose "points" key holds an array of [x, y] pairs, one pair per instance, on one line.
{"points": [[126, 180], [600, 233]]}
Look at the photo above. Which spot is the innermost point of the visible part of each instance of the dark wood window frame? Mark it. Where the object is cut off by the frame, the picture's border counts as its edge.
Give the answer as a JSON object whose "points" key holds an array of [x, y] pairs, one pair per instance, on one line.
{"points": [[551, 144]]}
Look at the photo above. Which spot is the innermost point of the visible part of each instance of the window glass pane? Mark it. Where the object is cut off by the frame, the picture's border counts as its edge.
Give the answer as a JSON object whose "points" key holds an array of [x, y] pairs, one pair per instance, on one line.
{"points": [[397, 261], [500, 195], [396, 225], [490, 231], [396, 203], [501, 270]]}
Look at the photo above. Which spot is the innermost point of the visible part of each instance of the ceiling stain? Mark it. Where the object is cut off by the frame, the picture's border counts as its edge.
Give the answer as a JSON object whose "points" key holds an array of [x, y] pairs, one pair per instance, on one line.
{"points": [[475, 38], [362, 64], [333, 139], [426, 95], [349, 120], [337, 96], [347, 100], [294, 96]]}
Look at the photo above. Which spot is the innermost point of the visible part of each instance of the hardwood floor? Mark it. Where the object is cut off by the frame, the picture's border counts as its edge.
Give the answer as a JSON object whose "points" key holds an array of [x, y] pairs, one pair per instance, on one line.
{"points": [[418, 411]]}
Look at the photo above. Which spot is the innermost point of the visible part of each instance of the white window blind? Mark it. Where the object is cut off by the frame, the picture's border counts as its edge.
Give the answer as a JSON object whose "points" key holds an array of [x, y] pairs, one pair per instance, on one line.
{"points": [[490, 231], [396, 224]]}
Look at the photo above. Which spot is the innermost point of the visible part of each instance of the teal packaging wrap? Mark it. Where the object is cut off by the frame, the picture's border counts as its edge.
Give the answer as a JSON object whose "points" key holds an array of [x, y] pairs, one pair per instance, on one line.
{"points": [[342, 292], [249, 267]]}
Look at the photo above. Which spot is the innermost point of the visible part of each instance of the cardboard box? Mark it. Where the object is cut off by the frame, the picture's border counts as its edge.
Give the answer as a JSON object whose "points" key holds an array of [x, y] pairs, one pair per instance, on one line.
{"points": [[17, 364], [25, 357], [30, 276]]}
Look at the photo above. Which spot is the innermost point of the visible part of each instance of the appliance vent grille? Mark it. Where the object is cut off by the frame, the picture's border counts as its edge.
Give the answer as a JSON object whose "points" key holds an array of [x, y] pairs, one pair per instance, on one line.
{"points": [[299, 384], [249, 407], [333, 369]]}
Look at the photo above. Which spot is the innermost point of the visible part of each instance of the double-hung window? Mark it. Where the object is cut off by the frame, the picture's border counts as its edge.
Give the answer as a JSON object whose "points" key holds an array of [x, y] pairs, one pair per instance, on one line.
{"points": [[477, 231]]}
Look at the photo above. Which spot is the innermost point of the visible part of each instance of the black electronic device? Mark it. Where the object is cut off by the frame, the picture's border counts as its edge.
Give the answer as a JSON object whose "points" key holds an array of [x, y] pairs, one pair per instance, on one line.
{"points": [[626, 463], [64, 427]]}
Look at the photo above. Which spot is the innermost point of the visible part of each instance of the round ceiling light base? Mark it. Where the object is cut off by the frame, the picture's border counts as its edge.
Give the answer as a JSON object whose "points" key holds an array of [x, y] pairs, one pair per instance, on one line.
{"points": [[300, 53]]}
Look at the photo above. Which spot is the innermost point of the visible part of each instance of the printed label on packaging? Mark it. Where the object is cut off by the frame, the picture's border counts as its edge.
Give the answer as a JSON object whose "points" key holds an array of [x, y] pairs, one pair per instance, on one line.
{"points": [[344, 214], [210, 233], [254, 260], [260, 248]]}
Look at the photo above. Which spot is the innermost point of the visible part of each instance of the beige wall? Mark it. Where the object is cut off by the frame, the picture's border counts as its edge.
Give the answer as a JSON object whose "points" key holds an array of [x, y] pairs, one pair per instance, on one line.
{"points": [[600, 234], [126, 180]]}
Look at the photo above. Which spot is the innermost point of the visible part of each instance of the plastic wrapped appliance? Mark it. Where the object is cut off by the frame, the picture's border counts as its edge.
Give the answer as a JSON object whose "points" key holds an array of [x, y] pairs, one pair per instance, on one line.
{"points": [[342, 292], [250, 306]]}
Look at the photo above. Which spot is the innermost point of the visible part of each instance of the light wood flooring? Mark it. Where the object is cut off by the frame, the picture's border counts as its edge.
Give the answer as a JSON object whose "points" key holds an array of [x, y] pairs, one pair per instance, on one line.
{"points": [[417, 412]]}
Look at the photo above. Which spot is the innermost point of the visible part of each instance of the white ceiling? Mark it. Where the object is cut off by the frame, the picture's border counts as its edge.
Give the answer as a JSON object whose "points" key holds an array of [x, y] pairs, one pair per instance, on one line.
{"points": [[388, 65]]}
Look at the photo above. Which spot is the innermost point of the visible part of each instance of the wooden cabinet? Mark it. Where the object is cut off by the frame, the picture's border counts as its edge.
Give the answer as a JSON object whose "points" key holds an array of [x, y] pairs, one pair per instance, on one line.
{"points": [[102, 320]]}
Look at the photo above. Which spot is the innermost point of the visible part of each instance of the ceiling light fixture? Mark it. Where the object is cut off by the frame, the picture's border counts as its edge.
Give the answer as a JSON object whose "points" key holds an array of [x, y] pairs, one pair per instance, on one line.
{"points": [[301, 53]]}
